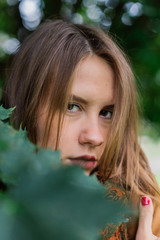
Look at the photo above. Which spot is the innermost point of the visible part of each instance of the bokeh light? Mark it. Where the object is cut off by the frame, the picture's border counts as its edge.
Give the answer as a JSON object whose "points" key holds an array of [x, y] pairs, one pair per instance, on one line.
{"points": [[11, 45], [106, 22], [111, 3], [126, 19], [134, 9], [94, 13], [31, 13], [77, 18], [89, 3]]}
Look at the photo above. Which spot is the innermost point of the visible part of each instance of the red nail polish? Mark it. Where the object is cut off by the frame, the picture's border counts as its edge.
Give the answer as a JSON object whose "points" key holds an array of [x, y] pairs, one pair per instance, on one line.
{"points": [[145, 201]]}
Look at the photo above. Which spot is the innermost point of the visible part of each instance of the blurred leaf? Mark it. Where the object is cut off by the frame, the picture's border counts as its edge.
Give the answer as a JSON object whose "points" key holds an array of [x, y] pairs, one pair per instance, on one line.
{"points": [[4, 114], [61, 203]]}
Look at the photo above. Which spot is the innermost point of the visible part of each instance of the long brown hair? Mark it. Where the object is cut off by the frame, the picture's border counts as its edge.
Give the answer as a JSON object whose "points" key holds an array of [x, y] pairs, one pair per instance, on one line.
{"points": [[44, 66]]}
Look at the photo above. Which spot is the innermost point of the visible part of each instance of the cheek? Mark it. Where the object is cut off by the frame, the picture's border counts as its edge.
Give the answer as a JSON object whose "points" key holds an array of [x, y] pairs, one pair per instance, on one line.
{"points": [[68, 143], [40, 130], [105, 132], [42, 134], [68, 135]]}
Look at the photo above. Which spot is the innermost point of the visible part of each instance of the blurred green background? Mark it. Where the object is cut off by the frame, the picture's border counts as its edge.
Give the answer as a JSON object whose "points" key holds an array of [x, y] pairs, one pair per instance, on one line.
{"points": [[135, 25]]}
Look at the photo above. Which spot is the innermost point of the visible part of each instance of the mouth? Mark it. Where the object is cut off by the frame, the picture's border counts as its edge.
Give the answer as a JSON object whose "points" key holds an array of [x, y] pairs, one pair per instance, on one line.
{"points": [[85, 161]]}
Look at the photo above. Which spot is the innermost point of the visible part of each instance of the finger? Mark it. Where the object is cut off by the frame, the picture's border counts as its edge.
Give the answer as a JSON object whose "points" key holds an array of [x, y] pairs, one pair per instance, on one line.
{"points": [[146, 213], [145, 219]]}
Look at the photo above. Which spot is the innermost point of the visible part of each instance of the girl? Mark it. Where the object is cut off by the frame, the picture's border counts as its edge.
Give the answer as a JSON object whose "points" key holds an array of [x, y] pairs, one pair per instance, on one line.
{"points": [[74, 90]]}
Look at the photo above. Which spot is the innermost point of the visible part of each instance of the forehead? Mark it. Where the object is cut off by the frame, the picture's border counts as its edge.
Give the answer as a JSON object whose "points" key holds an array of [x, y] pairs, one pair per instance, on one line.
{"points": [[94, 80]]}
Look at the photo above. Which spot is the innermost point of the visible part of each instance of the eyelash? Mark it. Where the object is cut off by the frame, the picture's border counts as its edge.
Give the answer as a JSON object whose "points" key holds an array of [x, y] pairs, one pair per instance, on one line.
{"points": [[110, 112], [80, 108], [71, 105]]}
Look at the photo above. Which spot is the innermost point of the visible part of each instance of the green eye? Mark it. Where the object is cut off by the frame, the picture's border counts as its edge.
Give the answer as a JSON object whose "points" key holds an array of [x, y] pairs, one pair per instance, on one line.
{"points": [[106, 114], [72, 107]]}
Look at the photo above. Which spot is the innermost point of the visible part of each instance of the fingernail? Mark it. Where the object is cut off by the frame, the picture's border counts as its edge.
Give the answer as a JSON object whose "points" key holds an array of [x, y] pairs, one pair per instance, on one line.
{"points": [[145, 201]]}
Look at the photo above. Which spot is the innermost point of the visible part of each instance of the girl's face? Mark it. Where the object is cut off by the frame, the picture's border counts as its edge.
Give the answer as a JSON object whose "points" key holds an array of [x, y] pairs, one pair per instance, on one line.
{"points": [[88, 117]]}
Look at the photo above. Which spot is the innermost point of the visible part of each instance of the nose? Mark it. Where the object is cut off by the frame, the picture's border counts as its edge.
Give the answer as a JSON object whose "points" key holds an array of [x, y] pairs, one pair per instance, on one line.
{"points": [[91, 133]]}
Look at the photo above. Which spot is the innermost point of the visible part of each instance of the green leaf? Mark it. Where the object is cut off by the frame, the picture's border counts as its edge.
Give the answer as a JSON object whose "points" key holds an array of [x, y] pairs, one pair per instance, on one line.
{"points": [[5, 113], [61, 203]]}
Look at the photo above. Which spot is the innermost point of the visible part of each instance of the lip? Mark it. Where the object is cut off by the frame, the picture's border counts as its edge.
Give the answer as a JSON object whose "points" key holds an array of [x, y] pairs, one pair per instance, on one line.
{"points": [[85, 161]]}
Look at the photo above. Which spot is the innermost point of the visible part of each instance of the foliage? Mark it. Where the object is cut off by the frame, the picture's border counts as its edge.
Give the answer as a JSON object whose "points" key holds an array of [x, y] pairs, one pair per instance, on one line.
{"points": [[44, 200]]}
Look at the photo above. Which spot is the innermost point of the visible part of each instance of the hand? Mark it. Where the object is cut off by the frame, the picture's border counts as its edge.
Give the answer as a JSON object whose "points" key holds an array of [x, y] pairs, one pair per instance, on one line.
{"points": [[144, 231]]}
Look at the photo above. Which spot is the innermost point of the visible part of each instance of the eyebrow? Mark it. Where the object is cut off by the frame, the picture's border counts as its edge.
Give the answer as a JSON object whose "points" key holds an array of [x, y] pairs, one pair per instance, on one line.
{"points": [[81, 100], [78, 99], [110, 107]]}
